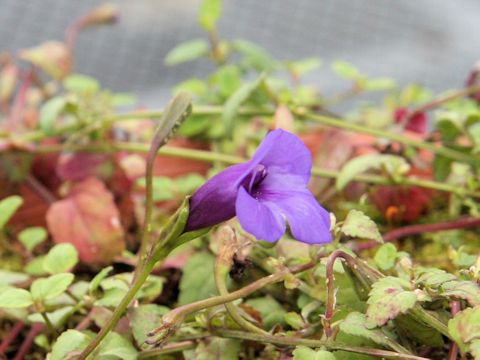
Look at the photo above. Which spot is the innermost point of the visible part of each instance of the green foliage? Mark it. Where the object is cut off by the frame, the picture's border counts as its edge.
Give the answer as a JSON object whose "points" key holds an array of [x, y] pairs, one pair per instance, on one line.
{"points": [[188, 51], [15, 298], [389, 297], [465, 329], [197, 281], [359, 225], [8, 206], [32, 236], [210, 11], [305, 353], [51, 287], [60, 258], [385, 256]]}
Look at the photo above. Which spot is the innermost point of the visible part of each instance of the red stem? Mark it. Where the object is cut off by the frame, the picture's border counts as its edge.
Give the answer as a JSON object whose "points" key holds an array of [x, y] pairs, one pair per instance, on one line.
{"points": [[453, 353], [13, 333], [462, 223], [36, 329]]}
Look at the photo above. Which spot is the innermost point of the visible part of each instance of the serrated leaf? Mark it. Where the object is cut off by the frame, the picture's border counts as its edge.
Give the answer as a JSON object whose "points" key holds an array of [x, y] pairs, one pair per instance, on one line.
{"points": [[60, 258], [115, 346], [15, 298], [51, 287], [187, 51], [465, 330], [8, 207], [387, 299], [305, 353], [232, 104], [197, 282], [355, 324], [467, 290], [359, 225], [209, 13], [385, 256], [395, 166], [68, 343], [432, 277], [145, 318], [32, 236]]}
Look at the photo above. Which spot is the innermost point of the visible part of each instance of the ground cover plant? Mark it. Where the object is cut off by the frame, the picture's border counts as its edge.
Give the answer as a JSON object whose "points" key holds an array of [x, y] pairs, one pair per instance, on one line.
{"points": [[247, 219]]}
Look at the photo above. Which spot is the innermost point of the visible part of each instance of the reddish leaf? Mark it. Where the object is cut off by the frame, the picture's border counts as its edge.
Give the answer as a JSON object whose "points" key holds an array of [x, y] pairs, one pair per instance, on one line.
{"points": [[81, 166], [89, 219]]}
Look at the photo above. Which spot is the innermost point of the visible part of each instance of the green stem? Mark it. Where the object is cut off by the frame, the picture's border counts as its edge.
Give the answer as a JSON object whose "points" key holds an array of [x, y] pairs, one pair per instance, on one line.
{"points": [[345, 125], [49, 324], [119, 310], [424, 316], [293, 341], [167, 349], [209, 156], [223, 264]]}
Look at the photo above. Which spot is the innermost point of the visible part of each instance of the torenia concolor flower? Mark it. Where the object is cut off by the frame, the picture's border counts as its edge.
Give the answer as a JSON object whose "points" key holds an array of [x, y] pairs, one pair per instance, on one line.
{"points": [[265, 194]]}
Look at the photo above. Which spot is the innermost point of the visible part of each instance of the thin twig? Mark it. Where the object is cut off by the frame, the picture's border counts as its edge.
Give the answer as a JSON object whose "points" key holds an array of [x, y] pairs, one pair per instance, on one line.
{"points": [[24, 349], [12, 334]]}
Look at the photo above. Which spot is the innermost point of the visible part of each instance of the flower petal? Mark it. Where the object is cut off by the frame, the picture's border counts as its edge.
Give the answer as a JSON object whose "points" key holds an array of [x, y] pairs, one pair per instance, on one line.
{"points": [[214, 201], [259, 218], [308, 221], [284, 152]]}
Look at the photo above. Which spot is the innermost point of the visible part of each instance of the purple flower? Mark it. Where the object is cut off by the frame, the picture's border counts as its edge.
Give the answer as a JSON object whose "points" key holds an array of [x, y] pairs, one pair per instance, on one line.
{"points": [[265, 193]]}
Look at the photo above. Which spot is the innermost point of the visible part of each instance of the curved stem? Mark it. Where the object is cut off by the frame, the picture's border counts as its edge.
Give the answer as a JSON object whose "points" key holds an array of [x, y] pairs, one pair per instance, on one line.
{"points": [[119, 310], [223, 264]]}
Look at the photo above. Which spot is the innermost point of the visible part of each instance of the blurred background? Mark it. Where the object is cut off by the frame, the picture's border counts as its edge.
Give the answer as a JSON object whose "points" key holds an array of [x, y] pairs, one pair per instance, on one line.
{"points": [[431, 42]]}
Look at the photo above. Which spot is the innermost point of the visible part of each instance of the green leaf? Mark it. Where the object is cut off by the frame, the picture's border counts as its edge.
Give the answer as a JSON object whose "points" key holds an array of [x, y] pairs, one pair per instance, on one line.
{"points": [[81, 84], [254, 56], [32, 236], [187, 51], [61, 258], [395, 166], [35, 267], [50, 112], [272, 312], [145, 318], [419, 331], [197, 282], [115, 346], [379, 84], [305, 353], [467, 290], [301, 67], [433, 277], [217, 349], [51, 287], [385, 256], [449, 129], [345, 70], [355, 324], [12, 277], [95, 283], [58, 317], [442, 166], [15, 298], [359, 225], [8, 207], [236, 99], [68, 343], [465, 330], [228, 79], [387, 299], [295, 320], [210, 11]]}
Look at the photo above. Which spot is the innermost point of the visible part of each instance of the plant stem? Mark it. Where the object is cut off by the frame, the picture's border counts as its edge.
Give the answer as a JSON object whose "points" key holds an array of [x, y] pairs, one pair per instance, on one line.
{"points": [[424, 316], [209, 156], [11, 336], [342, 124], [405, 231], [167, 349], [223, 264], [49, 324], [293, 341], [119, 310]]}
